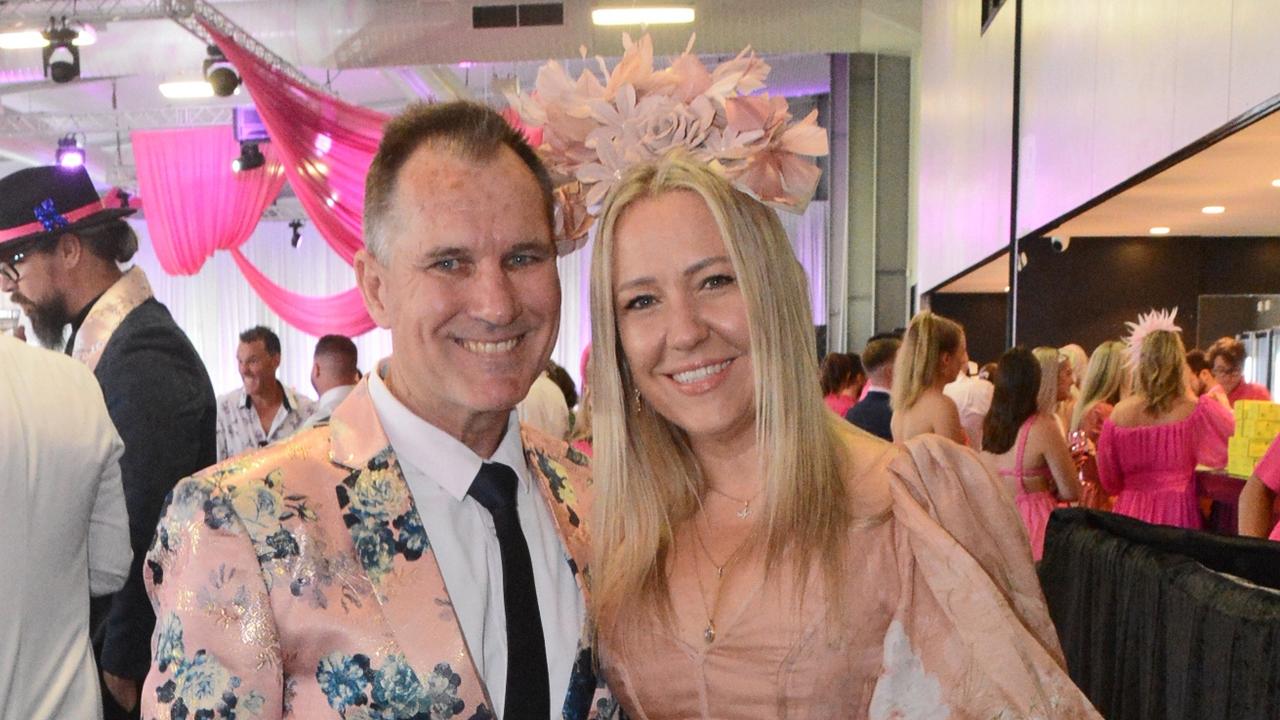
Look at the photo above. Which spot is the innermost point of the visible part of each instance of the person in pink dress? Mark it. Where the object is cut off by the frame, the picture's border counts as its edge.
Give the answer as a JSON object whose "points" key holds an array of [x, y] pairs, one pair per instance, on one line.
{"points": [[1226, 362], [762, 558], [1258, 499], [1021, 442], [1149, 447], [1105, 382], [842, 378]]}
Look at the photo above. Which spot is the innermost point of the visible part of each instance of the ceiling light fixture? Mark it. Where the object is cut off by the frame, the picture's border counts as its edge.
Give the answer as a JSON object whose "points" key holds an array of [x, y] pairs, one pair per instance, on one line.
{"points": [[61, 57], [70, 152], [22, 40], [1159, 230], [655, 15], [1213, 209], [251, 158], [220, 73], [186, 89]]}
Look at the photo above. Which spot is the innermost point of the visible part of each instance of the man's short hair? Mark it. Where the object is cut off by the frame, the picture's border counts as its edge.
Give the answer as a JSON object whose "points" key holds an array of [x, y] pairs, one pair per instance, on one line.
{"points": [[1197, 361], [1227, 348], [469, 130], [341, 349], [880, 352], [269, 340]]}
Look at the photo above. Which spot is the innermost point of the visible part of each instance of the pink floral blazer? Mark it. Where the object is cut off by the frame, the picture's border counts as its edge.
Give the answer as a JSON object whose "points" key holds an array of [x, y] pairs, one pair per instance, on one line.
{"points": [[298, 582]]}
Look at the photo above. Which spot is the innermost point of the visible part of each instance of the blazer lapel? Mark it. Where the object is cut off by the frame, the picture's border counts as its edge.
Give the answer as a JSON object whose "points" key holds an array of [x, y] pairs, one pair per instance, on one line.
{"points": [[563, 477], [393, 548]]}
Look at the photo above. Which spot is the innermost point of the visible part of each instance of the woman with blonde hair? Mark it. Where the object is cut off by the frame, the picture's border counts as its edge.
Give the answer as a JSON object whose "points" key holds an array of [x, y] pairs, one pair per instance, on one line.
{"points": [[932, 354], [754, 555], [1149, 448], [1104, 385], [1055, 382]]}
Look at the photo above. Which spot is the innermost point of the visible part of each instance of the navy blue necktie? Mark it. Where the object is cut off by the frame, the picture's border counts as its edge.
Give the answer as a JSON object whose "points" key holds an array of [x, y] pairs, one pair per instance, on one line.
{"points": [[528, 694]]}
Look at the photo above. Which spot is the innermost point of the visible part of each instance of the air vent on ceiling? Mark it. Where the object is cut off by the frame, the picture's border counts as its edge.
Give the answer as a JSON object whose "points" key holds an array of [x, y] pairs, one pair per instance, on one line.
{"points": [[509, 16]]}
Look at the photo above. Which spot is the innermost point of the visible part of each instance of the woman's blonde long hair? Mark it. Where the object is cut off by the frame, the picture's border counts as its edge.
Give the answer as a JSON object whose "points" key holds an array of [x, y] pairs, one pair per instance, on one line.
{"points": [[919, 361], [647, 482], [1103, 380], [1159, 376], [1050, 362]]}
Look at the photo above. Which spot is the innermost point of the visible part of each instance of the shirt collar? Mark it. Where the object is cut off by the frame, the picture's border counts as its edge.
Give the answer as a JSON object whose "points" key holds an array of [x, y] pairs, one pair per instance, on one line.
{"points": [[436, 454], [872, 387], [290, 400], [334, 395]]}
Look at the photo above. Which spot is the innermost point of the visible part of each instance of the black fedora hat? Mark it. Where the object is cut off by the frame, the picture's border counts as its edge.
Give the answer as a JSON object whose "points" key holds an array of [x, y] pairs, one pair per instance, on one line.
{"points": [[40, 202]]}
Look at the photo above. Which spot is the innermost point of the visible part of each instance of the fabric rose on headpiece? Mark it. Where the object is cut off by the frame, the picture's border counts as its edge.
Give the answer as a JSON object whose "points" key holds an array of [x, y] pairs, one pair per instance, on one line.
{"points": [[593, 130]]}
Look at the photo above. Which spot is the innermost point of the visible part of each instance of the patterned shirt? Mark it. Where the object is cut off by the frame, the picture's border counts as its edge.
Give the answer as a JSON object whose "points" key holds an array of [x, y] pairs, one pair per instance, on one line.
{"points": [[239, 428]]}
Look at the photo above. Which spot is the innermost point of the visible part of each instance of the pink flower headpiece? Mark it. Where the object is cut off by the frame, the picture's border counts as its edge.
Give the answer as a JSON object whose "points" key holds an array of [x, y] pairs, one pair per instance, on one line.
{"points": [[593, 130], [1154, 321]]}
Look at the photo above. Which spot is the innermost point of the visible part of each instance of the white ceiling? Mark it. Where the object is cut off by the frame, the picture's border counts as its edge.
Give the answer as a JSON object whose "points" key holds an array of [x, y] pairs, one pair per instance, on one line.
{"points": [[385, 53], [1235, 173]]}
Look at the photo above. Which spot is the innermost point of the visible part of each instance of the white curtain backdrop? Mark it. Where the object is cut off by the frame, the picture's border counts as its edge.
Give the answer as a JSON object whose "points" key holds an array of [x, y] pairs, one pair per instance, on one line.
{"points": [[214, 306]]}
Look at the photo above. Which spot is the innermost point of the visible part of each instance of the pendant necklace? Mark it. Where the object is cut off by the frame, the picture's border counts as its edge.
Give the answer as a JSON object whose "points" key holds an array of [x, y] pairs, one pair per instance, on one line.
{"points": [[711, 609], [745, 512]]}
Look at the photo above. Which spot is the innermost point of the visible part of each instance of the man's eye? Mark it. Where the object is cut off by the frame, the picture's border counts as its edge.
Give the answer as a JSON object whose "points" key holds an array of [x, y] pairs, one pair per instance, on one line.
{"points": [[523, 260], [640, 302], [447, 264]]}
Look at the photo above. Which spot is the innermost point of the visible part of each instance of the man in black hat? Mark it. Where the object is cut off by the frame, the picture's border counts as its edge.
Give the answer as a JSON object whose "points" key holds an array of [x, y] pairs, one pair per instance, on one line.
{"points": [[60, 252]]}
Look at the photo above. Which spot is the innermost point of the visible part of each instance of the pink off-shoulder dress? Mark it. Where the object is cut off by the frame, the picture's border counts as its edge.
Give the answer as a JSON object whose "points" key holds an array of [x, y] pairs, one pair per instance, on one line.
{"points": [[1151, 468]]}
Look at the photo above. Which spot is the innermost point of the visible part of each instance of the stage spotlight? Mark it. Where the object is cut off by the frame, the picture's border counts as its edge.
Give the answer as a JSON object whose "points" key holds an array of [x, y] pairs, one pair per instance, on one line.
{"points": [[61, 56], [220, 73], [251, 158], [70, 152], [296, 226]]}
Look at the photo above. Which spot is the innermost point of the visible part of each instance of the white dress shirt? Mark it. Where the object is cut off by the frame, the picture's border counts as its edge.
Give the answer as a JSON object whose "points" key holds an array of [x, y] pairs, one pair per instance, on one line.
{"points": [[65, 530], [439, 470], [328, 401], [972, 396], [545, 408]]}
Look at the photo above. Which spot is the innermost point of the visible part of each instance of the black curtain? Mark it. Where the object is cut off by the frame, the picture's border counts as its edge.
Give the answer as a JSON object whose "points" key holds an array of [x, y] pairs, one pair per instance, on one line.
{"points": [[1159, 622]]}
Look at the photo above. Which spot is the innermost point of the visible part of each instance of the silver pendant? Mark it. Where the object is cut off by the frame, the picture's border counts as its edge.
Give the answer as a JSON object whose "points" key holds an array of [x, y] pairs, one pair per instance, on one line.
{"points": [[710, 633], [745, 512]]}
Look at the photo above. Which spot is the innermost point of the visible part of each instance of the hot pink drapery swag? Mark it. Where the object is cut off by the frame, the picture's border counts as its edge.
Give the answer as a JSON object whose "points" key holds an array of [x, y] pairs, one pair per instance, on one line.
{"points": [[326, 145], [198, 206]]}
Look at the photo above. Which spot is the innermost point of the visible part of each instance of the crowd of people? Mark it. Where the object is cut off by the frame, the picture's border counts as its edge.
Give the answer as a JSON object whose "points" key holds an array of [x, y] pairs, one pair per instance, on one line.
{"points": [[714, 527]]}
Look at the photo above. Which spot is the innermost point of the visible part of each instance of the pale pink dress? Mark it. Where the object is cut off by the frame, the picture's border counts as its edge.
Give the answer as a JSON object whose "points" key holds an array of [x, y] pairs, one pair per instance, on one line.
{"points": [[941, 615], [1034, 507], [1151, 468]]}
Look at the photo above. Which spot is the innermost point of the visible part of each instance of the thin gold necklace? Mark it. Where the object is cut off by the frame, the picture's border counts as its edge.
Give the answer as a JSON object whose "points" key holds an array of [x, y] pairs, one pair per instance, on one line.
{"points": [[745, 512], [713, 608]]}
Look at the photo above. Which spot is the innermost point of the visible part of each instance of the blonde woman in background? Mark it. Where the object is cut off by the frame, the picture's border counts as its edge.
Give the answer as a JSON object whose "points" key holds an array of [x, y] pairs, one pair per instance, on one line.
{"points": [[1055, 383], [754, 555], [1149, 447], [932, 354], [1079, 361], [1104, 386]]}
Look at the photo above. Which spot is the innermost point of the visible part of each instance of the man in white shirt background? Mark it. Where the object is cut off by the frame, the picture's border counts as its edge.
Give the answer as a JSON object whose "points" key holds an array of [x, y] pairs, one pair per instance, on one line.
{"points": [[972, 396], [65, 532], [334, 374], [264, 410]]}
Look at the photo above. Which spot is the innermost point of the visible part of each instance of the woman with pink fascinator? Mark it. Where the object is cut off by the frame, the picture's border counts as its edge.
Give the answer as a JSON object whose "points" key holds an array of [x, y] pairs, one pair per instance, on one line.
{"points": [[1150, 445], [755, 556]]}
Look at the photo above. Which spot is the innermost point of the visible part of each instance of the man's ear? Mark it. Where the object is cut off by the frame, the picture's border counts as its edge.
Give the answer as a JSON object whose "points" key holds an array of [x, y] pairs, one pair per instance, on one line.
{"points": [[371, 278], [69, 250]]}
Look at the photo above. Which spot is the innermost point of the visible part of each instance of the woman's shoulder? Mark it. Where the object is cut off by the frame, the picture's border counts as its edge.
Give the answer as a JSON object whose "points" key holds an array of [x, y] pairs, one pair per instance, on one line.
{"points": [[1132, 412], [865, 459]]}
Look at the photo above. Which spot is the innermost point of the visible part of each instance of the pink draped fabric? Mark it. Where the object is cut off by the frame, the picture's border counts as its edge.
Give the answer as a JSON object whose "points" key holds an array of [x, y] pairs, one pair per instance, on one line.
{"points": [[325, 144], [197, 205], [344, 313]]}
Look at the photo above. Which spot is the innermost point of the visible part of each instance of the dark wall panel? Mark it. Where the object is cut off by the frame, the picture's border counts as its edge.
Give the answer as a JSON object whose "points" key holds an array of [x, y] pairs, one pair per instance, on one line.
{"points": [[983, 317]]}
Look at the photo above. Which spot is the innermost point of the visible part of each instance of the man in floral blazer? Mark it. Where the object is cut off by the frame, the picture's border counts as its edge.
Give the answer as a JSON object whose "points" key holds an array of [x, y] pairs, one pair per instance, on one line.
{"points": [[352, 571]]}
